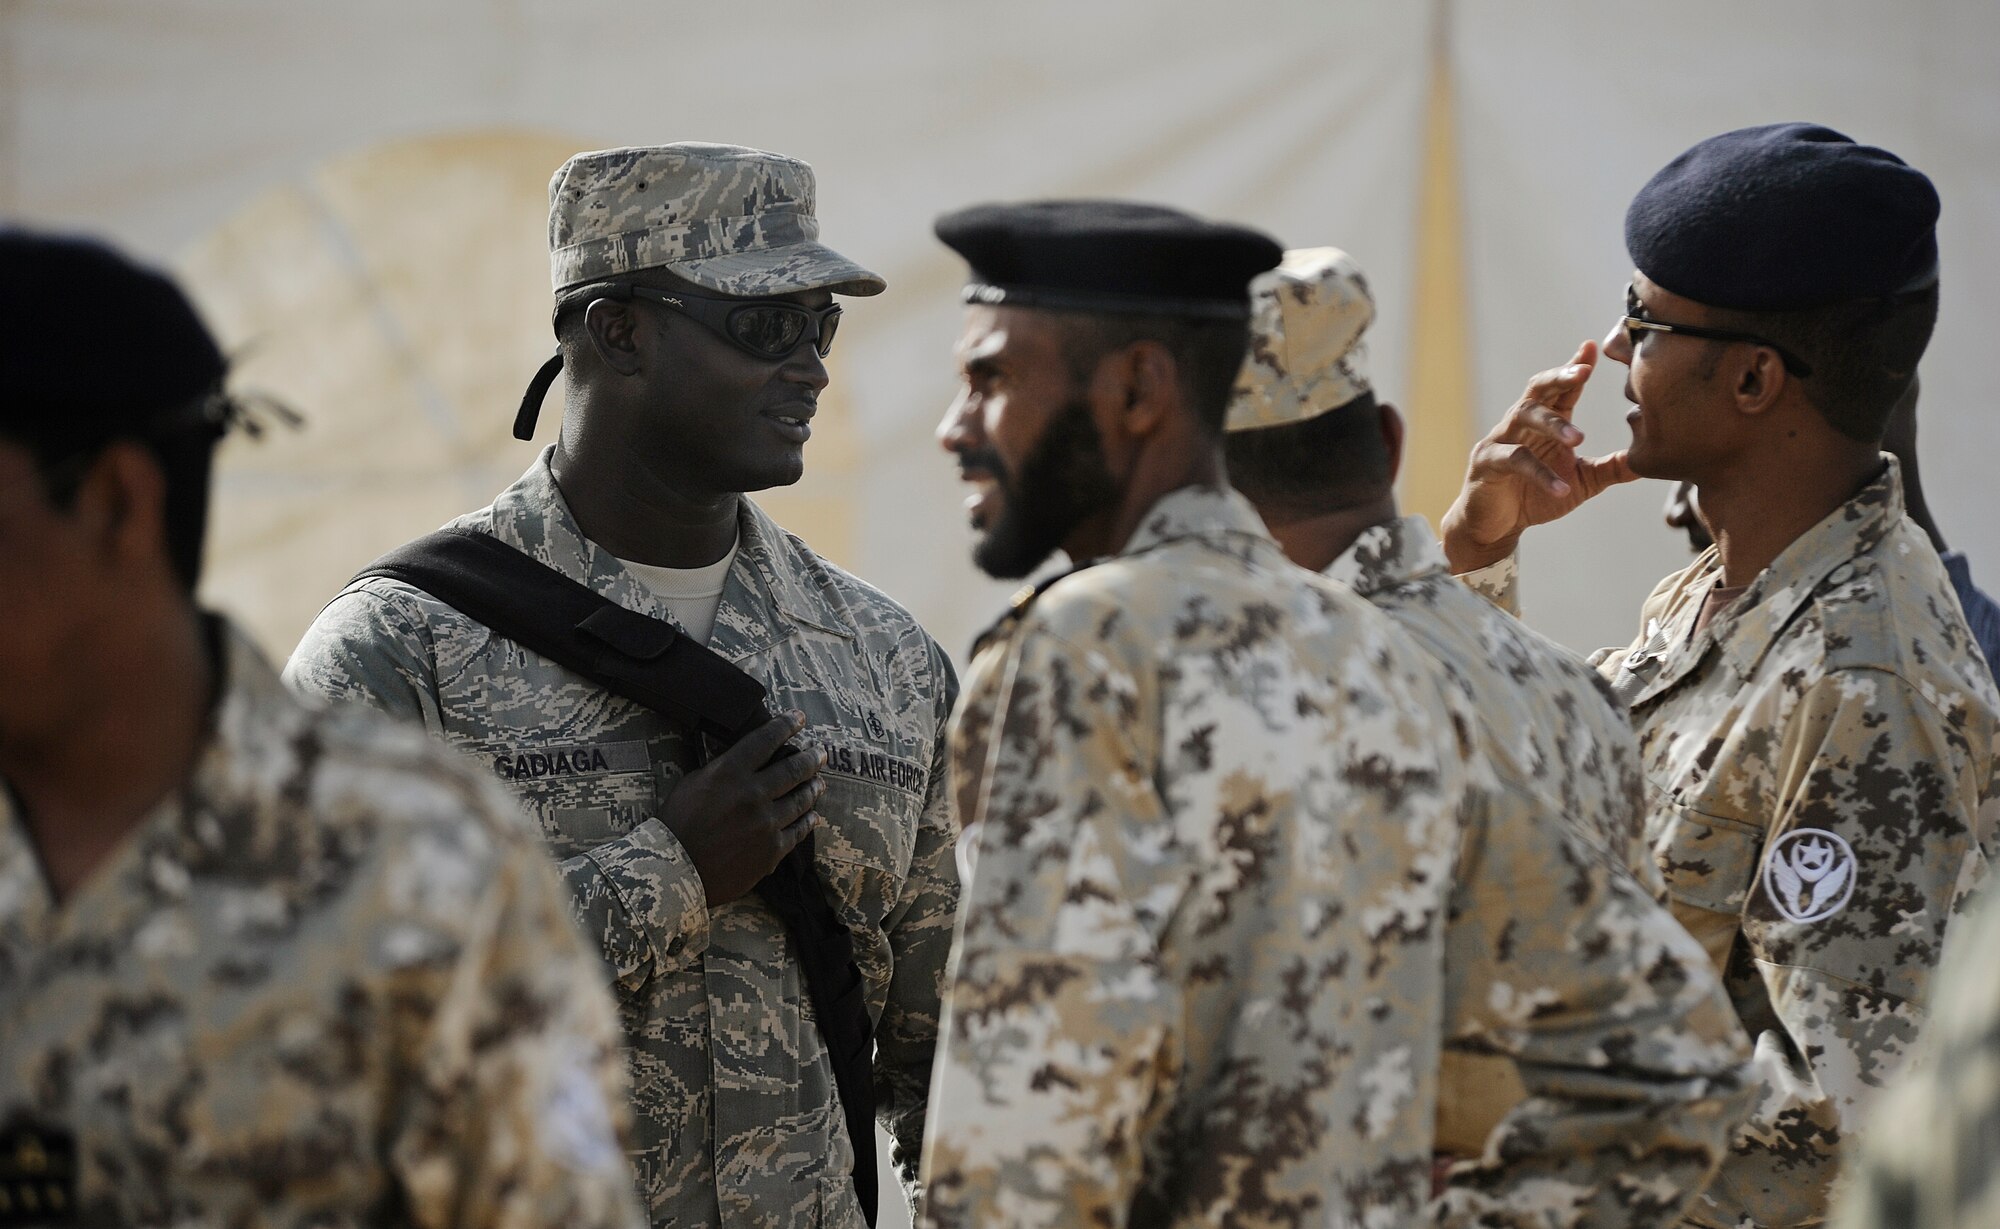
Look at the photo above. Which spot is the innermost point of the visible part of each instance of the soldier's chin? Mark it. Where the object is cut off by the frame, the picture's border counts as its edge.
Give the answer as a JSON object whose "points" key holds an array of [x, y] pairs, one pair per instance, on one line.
{"points": [[1647, 465], [1015, 547]]}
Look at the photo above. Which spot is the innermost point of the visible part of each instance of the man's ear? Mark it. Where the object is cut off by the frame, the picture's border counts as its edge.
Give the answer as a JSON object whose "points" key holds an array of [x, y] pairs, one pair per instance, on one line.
{"points": [[1760, 381], [1392, 438], [1145, 386], [121, 507], [613, 329]]}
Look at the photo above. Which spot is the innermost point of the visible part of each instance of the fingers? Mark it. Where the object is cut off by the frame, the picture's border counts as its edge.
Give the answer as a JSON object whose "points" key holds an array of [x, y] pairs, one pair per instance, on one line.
{"points": [[755, 749], [1540, 420], [1559, 387], [790, 772], [1604, 471], [791, 805], [1525, 463], [798, 830]]}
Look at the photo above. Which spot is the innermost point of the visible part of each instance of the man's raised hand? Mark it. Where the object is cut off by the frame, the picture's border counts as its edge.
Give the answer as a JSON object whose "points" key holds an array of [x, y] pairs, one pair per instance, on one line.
{"points": [[1527, 471], [740, 813]]}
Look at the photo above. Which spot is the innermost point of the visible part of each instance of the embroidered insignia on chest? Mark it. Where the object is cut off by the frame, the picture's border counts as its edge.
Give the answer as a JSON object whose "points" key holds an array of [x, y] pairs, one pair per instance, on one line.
{"points": [[1809, 874]]}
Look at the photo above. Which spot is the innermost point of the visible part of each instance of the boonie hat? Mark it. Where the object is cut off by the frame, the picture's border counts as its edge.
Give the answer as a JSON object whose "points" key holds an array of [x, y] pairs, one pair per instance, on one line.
{"points": [[1307, 317]]}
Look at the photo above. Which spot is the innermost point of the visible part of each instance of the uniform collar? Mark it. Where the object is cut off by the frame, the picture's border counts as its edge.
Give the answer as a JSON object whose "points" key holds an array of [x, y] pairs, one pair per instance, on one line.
{"points": [[1390, 554], [1217, 515], [1825, 553], [1754, 622], [775, 584]]}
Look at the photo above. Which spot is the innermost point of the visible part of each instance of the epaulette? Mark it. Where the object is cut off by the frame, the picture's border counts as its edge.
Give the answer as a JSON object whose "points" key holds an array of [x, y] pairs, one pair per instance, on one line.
{"points": [[1024, 597]]}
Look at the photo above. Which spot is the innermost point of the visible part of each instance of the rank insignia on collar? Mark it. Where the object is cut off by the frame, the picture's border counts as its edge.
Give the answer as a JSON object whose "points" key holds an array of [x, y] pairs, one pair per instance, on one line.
{"points": [[37, 1175]]}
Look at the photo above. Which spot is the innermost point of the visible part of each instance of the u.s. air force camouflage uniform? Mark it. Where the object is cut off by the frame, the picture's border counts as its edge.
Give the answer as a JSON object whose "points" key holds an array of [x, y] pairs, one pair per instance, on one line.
{"points": [[1930, 1156], [333, 981], [1566, 979], [738, 1120], [1821, 800], [1197, 977]]}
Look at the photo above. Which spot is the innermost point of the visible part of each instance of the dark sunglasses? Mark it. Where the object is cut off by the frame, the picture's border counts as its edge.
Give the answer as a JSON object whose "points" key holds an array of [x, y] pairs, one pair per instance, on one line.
{"points": [[1637, 326], [763, 328]]}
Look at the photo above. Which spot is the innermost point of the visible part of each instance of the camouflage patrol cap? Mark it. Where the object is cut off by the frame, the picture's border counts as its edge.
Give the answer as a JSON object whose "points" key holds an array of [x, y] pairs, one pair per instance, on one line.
{"points": [[734, 220], [1306, 355]]}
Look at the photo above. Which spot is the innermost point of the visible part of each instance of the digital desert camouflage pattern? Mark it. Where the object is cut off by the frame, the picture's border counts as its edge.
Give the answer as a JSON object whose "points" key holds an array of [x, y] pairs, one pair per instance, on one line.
{"points": [[738, 221], [1564, 972], [738, 1123], [1821, 800], [1306, 357], [333, 982], [1930, 1157], [1197, 979]]}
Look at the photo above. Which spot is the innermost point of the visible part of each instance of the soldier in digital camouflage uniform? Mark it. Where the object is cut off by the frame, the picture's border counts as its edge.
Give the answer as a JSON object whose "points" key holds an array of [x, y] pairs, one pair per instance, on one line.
{"points": [[260, 964], [1555, 898], [670, 416], [1214, 799], [1930, 1158], [1815, 725]]}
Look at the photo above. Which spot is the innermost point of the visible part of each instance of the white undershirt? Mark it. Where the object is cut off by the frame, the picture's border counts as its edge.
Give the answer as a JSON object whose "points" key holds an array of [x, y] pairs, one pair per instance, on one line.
{"points": [[692, 594]]}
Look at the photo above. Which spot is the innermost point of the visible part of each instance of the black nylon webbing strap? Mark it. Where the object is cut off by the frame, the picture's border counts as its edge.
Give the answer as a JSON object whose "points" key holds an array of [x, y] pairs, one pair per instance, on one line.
{"points": [[649, 661]]}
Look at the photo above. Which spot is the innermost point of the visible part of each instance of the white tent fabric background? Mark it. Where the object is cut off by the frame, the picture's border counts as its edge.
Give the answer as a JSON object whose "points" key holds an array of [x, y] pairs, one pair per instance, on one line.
{"points": [[164, 128], [162, 124], [354, 190], [1566, 110]]}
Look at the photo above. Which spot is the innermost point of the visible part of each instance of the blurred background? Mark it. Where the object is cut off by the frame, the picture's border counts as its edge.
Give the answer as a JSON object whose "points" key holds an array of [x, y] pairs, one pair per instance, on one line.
{"points": [[356, 193]]}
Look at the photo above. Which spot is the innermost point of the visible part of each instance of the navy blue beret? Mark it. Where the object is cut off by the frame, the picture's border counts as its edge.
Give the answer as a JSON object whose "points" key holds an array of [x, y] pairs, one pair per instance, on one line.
{"points": [[1108, 256], [93, 346], [1785, 216]]}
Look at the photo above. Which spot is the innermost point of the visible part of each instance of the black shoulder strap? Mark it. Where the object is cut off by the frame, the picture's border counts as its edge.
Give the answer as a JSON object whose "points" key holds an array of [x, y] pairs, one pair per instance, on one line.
{"points": [[650, 661], [642, 658]]}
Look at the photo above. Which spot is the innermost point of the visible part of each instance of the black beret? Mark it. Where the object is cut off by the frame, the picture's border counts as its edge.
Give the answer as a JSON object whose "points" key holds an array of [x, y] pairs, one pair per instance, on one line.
{"points": [[93, 346], [1108, 256], [1785, 216]]}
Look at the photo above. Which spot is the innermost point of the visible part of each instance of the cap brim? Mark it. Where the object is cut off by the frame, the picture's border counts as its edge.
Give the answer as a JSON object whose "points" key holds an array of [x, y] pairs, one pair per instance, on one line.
{"points": [[786, 270]]}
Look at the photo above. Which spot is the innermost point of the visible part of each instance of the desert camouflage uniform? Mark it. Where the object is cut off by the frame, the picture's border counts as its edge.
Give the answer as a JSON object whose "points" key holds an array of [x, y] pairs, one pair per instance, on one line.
{"points": [[1821, 800], [1548, 910], [333, 982], [738, 1121], [1198, 975], [1930, 1157]]}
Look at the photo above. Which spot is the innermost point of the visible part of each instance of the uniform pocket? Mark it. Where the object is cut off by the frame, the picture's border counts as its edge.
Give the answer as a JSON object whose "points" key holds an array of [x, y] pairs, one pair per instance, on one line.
{"points": [[874, 825], [1710, 865]]}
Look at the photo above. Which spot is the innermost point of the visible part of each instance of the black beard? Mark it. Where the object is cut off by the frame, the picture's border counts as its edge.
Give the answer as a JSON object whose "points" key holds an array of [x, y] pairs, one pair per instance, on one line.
{"points": [[1063, 480]]}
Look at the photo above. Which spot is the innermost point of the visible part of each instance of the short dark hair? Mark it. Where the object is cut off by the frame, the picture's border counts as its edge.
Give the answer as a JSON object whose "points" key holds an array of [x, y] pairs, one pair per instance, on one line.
{"points": [[1863, 353], [186, 458], [1208, 353], [1329, 462]]}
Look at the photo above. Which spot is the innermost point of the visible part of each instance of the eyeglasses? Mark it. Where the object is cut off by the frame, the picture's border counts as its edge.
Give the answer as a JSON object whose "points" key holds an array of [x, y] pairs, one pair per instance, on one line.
{"points": [[1636, 325], [763, 328]]}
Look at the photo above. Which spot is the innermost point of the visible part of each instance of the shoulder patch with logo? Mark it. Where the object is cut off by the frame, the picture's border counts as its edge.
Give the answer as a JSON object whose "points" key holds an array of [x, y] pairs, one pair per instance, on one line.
{"points": [[1809, 874]]}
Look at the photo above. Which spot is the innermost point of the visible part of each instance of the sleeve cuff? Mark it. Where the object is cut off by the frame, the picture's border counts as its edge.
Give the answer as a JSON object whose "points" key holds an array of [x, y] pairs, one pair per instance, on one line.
{"points": [[1498, 583], [657, 886]]}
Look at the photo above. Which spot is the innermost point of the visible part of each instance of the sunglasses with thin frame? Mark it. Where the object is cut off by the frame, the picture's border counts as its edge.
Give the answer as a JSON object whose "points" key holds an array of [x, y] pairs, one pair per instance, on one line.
{"points": [[768, 329], [1637, 326]]}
